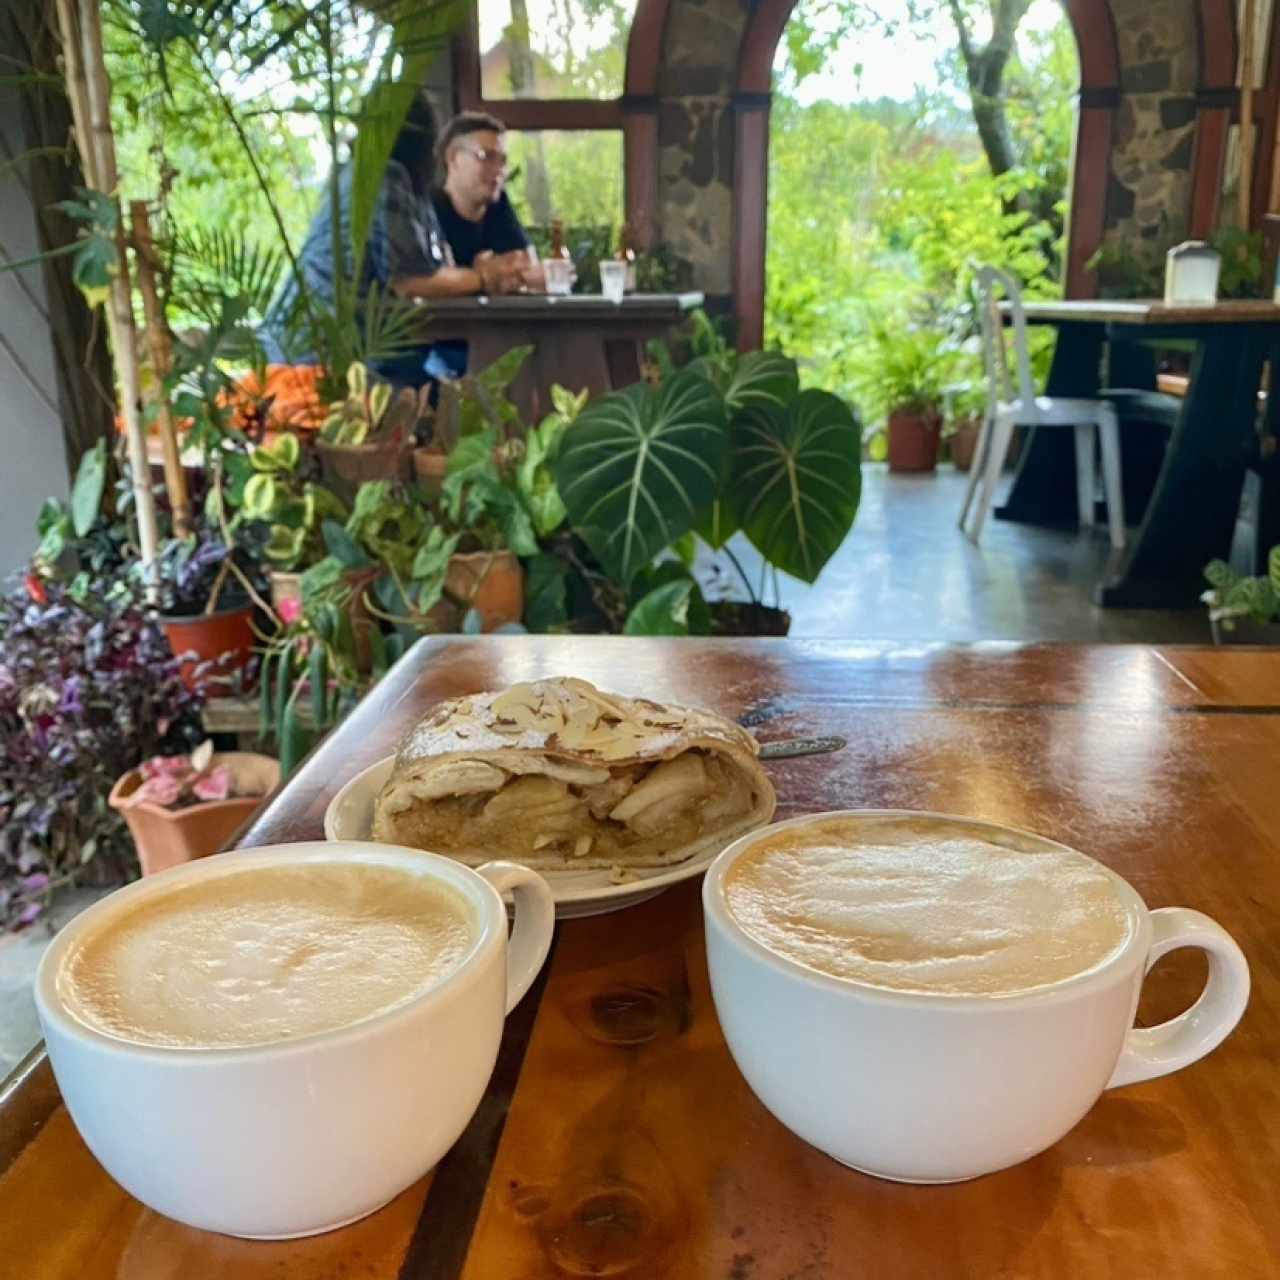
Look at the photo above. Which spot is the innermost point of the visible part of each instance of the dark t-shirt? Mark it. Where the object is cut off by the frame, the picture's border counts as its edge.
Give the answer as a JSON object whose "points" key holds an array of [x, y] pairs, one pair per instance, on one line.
{"points": [[499, 230]]}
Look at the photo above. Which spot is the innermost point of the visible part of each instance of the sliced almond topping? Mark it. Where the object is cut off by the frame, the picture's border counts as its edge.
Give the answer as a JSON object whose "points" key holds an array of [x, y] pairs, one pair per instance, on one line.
{"points": [[582, 846], [541, 842]]}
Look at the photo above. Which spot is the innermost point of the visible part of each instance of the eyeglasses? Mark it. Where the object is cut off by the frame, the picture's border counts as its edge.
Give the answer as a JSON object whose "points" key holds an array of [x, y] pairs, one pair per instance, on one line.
{"points": [[491, 159]]}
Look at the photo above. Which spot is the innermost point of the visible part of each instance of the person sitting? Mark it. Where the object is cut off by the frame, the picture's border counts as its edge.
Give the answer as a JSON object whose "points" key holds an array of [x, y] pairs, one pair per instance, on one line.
{"points": [[473, 209], [406, 253]]}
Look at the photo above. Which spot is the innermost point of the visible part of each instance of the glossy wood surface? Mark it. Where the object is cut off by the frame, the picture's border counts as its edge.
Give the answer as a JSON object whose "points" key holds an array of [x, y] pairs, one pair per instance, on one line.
{"points": [[618, 1137], [1153, 312]]}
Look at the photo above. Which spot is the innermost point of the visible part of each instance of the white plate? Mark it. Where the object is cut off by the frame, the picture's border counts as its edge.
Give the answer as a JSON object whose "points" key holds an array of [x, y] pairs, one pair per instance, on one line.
{"points": [[577, 893]]}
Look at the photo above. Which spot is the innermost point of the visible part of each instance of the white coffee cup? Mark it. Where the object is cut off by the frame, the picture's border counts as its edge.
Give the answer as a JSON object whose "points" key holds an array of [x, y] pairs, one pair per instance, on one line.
{"points": [[931, 1087], [299, 1136]]}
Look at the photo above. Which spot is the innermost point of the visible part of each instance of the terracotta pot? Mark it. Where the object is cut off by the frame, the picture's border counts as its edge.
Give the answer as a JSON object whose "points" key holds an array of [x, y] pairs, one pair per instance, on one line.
{"points": [[286, 589], [224, 638], [345, 467], [492, 582], [1246, 631], [963, 442], [167, 837], [429, 466], [745, 618], [913, 440]]}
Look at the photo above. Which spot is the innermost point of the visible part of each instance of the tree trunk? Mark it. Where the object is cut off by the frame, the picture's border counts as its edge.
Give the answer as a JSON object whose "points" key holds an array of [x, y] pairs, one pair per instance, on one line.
{"points": [[28, 30], [537, 183], [985, 68]]}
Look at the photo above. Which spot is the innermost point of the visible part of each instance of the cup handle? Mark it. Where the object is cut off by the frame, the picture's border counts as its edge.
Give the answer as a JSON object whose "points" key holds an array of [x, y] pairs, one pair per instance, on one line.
{"points": [[535, 923], [1156, 1051]]}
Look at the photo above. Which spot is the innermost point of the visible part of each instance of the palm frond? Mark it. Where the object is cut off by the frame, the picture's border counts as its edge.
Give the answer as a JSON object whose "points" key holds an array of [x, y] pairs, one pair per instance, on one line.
{"points": [[392, 325], [212, 264]]}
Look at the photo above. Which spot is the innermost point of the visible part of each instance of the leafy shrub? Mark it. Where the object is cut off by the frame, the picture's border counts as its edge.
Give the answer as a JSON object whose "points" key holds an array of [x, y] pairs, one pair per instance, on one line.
{"points": [[86, 693]]}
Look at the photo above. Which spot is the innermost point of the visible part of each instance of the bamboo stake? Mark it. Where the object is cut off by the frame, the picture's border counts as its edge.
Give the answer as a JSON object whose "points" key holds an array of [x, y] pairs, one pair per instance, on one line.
{"points": [[90, 98], [1244, 191], [175, 480]]}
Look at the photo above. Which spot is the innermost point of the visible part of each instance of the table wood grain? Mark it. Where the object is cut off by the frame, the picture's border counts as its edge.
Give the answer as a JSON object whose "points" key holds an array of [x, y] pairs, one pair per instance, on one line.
{"points": [[1150, 312], [618, 1138]]}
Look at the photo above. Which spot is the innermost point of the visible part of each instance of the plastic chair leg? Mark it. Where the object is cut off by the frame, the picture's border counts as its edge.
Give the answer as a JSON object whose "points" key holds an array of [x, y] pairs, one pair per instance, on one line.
{"points": [[1001, 439], [975, 467], [1084, 474], [1109, 436]]}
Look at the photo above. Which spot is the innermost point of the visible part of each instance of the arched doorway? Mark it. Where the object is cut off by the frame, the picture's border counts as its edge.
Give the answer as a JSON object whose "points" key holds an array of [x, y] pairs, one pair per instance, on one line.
{"points": [[1099, 103]]}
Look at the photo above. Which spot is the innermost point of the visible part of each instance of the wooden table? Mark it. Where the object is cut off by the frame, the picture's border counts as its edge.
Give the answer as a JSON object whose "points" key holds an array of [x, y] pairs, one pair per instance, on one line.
{"points": [[617, 1137], [580, 340], [1191, 514]]}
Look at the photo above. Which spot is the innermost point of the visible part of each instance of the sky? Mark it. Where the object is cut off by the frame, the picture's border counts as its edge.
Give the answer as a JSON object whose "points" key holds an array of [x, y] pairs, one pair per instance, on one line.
{"points": [[893, 65]]}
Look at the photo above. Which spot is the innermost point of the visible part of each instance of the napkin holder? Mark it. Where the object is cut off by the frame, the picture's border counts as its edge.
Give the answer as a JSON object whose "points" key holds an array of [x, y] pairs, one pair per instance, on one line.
{"points": [[1191, 271]]}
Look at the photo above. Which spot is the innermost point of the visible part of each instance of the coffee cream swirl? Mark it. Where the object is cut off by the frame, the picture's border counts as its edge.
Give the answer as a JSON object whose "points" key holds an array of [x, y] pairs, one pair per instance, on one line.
{"points": [[927, 905], [267, 954]]}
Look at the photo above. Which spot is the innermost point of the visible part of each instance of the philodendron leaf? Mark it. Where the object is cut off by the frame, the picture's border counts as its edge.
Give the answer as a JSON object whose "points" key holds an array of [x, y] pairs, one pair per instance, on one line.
{"points": [[796, 479], [638, 467], [761, 378]]}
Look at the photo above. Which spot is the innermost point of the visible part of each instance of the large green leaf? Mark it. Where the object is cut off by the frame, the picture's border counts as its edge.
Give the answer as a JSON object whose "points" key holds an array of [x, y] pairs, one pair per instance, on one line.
{"points": [[758, 380], [663, 612], [545, 593], [86, 493], [797, 479], [694, 614], [761, 378], [637, 467]]}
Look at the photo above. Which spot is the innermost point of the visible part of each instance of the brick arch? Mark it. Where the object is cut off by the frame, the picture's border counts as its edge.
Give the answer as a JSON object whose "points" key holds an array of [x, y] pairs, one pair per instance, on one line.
{"points": [[1095, 34]]}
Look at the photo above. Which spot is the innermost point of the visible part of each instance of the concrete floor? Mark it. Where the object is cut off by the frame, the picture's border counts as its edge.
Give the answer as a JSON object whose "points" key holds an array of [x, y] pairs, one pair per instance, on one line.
{"points": [[19, 955], [906, 573]]}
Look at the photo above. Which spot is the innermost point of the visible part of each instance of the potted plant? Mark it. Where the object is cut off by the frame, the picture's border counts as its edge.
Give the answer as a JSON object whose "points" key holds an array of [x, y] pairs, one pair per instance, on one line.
{"points": [[903, 372], [205, 612], [729, 443], [967, 405], [1244, 610], [477, 402], [369, 435], [179, 808], [88, 688]]}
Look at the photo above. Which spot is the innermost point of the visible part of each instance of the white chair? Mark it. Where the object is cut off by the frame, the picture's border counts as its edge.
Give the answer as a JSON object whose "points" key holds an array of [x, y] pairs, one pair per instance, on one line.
{"points": [[1009, 407]]}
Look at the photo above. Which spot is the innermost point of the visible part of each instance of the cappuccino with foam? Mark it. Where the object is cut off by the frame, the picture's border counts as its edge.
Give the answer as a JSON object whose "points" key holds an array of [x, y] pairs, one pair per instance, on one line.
{"points": [[929, 906], [267, 954]]}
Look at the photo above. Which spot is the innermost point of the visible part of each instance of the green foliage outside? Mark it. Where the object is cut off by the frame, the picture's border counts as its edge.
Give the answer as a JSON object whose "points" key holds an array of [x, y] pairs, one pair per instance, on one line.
{"points": [[879, 213]]}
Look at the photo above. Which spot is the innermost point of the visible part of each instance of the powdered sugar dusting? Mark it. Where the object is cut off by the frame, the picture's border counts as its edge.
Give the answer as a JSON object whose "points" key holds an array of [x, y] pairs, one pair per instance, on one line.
{"points": [[568, 717]]}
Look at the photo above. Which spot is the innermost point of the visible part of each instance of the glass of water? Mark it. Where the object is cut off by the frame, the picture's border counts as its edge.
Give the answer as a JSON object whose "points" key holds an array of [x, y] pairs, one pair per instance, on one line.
{"points": [[559, 273], [613, 279]]}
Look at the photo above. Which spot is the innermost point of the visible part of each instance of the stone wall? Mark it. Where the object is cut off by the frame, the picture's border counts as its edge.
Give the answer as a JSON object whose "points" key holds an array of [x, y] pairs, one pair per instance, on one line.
{"points": [[695, 136], [1149, 183]]}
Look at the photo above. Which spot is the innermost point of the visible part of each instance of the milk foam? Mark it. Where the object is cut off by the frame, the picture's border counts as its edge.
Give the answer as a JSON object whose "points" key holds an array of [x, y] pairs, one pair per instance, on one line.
{"points": [[927, 906], [267, 954]]}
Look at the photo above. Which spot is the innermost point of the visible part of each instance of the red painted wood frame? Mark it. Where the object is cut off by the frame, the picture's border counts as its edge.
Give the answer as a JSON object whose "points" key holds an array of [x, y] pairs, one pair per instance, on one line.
{"points": [[635, 113]]}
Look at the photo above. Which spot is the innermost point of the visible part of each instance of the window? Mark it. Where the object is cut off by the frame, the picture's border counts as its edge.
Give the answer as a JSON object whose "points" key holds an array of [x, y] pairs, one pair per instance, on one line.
{"points": [[573, 175], [564, 49]]}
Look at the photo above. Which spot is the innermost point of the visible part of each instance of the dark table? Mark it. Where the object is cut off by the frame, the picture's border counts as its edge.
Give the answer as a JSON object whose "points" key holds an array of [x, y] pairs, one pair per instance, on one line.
{"points": [[1191, 514], [579, 340], [617, 1137]]}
